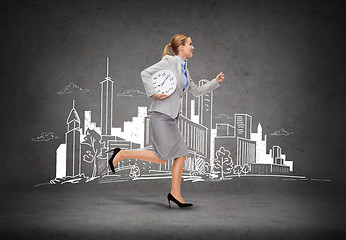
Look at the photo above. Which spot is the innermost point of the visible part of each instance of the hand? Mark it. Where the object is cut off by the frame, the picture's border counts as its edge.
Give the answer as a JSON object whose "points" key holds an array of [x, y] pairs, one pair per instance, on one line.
{"points": [[160, 96], [220, 77]]}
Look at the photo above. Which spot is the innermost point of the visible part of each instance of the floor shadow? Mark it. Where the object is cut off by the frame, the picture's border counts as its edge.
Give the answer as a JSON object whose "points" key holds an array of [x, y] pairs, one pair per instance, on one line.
{"points": [[137, 201]]}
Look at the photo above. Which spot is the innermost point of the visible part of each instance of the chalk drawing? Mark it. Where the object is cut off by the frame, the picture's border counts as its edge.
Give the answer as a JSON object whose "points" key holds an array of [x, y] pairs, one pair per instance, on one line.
{"points": [[222, 164], [223, 116], [281, 132], [132, 93], [93, 150], [72, 88], [44, 137], [219, 148]]}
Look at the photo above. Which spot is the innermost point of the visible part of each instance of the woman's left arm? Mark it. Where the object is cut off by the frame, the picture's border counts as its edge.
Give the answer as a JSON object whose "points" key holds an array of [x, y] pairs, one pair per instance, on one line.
{"points": [[211, 85]]}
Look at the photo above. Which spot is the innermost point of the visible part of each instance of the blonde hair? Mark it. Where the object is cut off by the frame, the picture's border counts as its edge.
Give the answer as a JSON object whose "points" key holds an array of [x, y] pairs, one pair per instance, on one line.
{"points": [[176, 41]]}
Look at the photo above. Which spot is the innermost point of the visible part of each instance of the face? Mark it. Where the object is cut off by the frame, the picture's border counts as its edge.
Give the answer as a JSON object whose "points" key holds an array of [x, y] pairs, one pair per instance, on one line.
{"points": [[187, 49]]}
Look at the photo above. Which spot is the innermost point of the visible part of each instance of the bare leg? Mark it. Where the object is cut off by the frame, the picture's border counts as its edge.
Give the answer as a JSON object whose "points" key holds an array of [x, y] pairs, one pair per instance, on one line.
{"points": [[148, 155], [177, 172], [144, 155]]}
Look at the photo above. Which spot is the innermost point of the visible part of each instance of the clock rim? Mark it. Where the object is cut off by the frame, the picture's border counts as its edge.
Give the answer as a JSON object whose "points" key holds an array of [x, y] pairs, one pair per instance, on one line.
{"points": [[175, 79]]}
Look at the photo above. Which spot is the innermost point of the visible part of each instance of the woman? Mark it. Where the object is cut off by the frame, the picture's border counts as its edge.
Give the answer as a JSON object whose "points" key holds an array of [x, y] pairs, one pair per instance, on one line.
{"points": [[167, 140]]}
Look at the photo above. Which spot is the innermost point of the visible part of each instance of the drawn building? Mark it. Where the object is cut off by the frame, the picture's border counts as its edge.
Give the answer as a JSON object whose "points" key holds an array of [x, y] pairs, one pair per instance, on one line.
{"points": [[261, 146], [225, 137], [106, 103], [195, 136], [60, 167], [72, 140], [278, 164], [134, 130], [246, 151], [243, 125]]}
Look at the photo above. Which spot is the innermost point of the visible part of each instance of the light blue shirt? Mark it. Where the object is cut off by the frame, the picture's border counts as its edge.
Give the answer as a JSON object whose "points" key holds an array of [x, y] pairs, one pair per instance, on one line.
{"points": [[183, 70]]}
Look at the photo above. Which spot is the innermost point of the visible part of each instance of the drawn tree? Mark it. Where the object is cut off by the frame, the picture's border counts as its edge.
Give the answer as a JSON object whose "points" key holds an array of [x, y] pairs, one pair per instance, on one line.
{"points": [[94, 148], [246, 168], [237, 169], [223, 162]]}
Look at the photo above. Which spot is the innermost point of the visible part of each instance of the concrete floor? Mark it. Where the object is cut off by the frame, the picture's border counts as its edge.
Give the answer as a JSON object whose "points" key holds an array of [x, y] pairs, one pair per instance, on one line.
{"points": [[241, 208]]}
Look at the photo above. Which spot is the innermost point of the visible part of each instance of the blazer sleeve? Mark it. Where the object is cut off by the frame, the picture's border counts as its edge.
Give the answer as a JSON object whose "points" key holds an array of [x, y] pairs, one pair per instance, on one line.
{"points": [[199, 91], [148, 72]]}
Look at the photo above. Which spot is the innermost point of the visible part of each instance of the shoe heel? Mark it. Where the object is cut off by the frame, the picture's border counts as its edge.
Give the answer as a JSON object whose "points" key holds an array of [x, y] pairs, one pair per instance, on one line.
{"points": [[181, 205], [110, 161], [169, 204]]}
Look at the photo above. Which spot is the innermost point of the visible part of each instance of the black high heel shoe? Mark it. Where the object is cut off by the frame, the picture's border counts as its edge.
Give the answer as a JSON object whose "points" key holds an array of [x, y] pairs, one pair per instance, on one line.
{"points": [[110, 161], [181, 205]]}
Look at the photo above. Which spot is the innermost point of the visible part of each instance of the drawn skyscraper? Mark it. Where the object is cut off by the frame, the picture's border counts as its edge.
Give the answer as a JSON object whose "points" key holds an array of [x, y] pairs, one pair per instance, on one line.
{"points": [[72, 140], [243, 125], [205, 112], [246, 148], [106, 103]]}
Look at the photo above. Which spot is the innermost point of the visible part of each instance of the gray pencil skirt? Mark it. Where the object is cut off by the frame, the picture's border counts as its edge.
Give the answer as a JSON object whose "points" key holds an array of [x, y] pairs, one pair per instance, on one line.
{"points": [[167, 140]]}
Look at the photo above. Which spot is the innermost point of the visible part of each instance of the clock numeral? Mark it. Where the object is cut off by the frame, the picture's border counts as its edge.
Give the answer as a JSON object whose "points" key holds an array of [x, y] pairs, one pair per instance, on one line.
{"points": [[155, 78], [159, 75]]}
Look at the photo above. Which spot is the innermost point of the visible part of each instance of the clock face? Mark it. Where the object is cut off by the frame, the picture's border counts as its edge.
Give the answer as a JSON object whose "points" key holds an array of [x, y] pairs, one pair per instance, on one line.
{"points": [[164, 81]]}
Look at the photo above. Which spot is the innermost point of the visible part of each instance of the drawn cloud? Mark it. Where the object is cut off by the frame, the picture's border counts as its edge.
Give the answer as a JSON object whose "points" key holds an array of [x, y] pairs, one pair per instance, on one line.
{"points": [[281, 132], [223, 116], [45, 137], [72, 88], [132, 93]]}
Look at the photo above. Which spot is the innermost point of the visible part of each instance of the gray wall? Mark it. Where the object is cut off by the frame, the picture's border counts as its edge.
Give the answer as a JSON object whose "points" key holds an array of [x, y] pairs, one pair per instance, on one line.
{"points": [[284, 65]]}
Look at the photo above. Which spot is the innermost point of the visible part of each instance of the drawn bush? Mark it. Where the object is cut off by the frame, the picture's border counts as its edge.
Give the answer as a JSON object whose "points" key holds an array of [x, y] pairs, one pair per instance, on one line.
{"points": [[134, 172], [237, 169], [246, 168]]}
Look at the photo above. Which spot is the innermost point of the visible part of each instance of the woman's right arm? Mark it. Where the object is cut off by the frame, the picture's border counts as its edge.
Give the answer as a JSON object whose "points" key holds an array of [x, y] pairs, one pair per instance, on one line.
{"points": [[146, 77]]}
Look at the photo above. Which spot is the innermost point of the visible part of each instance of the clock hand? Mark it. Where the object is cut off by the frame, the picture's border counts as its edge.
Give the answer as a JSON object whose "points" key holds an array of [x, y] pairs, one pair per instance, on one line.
{"points": [[163, 82]]}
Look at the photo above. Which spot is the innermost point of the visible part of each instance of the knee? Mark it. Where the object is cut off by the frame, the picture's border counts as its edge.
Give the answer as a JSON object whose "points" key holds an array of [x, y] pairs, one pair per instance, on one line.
{"points": [[162, 161]]}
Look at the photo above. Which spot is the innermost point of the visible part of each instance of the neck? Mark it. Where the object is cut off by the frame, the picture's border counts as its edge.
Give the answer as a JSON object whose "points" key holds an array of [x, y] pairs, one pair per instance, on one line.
{"points": [[182, 56]]}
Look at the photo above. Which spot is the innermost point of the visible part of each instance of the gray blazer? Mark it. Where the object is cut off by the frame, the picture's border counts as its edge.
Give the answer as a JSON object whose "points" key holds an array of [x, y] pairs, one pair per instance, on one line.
{"points": [[171, 105]]}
